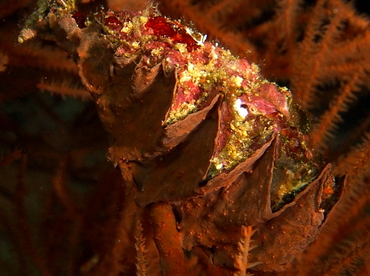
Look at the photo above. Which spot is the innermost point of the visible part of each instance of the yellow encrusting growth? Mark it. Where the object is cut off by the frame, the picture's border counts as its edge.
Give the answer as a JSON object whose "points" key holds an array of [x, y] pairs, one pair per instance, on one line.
{"points": [[256, 108]]}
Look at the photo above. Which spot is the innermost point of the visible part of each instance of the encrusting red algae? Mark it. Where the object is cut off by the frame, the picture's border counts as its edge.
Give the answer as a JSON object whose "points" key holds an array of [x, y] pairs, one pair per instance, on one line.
{"points": [[252, 109]]}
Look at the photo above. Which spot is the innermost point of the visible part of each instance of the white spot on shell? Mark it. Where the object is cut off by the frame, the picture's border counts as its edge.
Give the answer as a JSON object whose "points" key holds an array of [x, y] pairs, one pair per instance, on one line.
{"points": [[242, 111]]}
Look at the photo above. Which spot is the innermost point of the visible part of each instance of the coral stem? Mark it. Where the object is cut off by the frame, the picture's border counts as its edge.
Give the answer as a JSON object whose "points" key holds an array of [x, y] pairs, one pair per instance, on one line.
{"points": [[167, 239]]}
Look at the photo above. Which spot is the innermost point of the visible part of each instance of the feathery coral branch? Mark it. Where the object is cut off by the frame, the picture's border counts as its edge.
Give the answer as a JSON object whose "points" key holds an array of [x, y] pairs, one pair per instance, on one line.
{"points": [[323, 131], [64, 87], [244, 246], [142, 263]]}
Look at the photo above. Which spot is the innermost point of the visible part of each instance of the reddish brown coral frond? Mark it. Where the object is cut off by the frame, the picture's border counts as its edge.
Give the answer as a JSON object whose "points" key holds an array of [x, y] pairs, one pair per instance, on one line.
{"points": [[347, 146], [281, 35], [351, 253], [65, 87], [142, 268], [355, 163], [35, 54], [244, 246], [323, 130], [316, 43]]}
